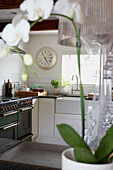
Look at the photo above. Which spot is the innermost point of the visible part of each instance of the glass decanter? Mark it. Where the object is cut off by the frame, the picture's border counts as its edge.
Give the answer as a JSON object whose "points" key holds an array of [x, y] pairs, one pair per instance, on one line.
{"points": [[98, 29]]}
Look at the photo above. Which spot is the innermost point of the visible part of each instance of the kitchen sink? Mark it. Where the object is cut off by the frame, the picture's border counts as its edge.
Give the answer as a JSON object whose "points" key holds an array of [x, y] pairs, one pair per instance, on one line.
{"points": [[68, 105], [76, 93]]}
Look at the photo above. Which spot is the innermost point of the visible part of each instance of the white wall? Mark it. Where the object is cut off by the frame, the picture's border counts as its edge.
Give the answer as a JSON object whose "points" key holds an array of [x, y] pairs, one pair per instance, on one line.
{"points": [[10, 68], [37, 41]]}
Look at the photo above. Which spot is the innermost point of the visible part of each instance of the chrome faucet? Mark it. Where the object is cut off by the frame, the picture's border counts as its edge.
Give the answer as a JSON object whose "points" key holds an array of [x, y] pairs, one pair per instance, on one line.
{"points": [[77, 89]]}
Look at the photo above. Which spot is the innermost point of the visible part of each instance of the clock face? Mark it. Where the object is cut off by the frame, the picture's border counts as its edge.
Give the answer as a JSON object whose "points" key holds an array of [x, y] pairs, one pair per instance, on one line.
{"points": [[46, 58]]}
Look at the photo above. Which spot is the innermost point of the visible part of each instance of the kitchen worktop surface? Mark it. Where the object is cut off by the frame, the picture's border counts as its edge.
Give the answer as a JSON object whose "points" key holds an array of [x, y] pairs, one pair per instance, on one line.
{"points": [[29, 155], [56, 96]]}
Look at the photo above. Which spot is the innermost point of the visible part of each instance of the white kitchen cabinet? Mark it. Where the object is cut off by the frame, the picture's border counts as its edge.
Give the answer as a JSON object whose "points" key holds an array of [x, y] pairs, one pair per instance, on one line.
{"points": [[46, 117], [68, 110], [35, 121], [72, 120], [56, 111]]}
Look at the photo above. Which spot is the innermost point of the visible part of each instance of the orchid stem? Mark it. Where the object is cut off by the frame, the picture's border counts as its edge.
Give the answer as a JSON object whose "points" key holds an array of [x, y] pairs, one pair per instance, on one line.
{"points": [[35, 22], [78, 48]]}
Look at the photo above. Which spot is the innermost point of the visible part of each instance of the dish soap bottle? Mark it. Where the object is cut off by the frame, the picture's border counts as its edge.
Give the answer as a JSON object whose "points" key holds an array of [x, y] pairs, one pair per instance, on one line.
{"points": [[9, 89]]}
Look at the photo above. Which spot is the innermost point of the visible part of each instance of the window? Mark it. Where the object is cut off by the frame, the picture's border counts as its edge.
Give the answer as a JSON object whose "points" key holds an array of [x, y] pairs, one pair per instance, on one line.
{"points": [[89, 68]]}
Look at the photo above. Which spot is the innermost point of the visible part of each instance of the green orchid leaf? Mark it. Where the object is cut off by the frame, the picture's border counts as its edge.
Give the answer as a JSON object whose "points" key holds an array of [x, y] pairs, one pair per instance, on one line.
{"points": [[84, 155], [71, 137], [105, 160], [106, 145]]}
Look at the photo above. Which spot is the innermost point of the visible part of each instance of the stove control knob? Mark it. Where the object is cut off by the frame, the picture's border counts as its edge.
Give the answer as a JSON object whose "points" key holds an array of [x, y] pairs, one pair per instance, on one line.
{"points": [[13, 106], [8, 108], [2, 109], [5, 108]]}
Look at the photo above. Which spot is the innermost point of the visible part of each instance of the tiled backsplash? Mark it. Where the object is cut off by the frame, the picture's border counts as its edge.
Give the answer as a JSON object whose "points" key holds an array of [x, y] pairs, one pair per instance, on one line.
{"points": [[46, 79]]}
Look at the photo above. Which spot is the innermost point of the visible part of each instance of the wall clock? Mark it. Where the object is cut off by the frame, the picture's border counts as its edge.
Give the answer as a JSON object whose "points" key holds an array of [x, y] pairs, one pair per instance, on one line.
{"points": [[46, 58]]}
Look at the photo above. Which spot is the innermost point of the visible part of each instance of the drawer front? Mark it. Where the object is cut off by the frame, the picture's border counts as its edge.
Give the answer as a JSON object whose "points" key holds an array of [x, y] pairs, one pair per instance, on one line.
{"points": [[8, 118], [9, 131]]}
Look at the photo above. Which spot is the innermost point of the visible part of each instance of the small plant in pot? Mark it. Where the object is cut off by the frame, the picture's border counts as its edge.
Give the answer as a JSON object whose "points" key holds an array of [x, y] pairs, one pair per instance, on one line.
{"points": [[64, 88], [56, 84]]}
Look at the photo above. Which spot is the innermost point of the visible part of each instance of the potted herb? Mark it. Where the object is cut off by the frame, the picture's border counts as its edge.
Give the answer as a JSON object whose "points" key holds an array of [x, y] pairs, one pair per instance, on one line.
{"points": [[56, 84], [64, 88]]}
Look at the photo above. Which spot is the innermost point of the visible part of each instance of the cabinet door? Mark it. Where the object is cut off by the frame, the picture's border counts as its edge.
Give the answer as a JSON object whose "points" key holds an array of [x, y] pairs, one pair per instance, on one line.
{"points": [[35, 119], [72, 120], [46, 117]]}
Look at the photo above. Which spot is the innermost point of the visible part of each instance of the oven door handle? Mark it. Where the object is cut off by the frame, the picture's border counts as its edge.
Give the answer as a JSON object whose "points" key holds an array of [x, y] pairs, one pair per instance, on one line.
{"points": [[7, 114], [8, 126], [27, 137], [27, 108]]}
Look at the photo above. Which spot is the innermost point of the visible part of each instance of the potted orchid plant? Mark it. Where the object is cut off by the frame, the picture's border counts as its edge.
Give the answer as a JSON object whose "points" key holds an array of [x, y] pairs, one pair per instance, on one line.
{"points": [[80, 156]]}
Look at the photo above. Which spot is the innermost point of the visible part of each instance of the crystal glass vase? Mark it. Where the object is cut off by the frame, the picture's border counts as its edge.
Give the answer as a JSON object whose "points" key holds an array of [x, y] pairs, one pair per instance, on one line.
{"points": [[98, 29]]}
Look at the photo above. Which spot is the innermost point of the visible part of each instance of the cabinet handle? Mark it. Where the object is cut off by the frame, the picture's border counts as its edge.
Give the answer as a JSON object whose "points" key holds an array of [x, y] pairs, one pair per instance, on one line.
{"points": [[27, 137], [9, 126], [7, 114], [28, 108]]}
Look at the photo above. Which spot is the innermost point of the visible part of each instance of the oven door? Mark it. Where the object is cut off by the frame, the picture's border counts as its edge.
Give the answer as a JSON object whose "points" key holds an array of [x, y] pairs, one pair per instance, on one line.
{"points": [[24, 121], [9, 130]]}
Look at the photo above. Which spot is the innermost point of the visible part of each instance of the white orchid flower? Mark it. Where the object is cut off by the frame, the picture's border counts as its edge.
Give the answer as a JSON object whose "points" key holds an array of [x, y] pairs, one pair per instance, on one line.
{"points": [[24, 76], [28, 59], [70, 8], [4, 49], [37, 8], [17, 31]]}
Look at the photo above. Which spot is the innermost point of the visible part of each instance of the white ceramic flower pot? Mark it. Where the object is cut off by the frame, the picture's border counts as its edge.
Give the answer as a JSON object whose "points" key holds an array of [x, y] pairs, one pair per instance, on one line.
{"points": [[69, 163], [63, 90], [56, 91]]}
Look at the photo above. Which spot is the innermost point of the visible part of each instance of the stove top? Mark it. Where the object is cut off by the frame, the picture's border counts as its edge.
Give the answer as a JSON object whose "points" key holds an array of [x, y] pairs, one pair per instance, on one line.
{"points": [[8, 104], [5, 99]]}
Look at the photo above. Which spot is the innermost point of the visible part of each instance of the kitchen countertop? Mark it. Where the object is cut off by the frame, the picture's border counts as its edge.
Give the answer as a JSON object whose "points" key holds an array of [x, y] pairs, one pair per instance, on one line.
{"points": [[48, 96], [33, 156], [56, 96]]}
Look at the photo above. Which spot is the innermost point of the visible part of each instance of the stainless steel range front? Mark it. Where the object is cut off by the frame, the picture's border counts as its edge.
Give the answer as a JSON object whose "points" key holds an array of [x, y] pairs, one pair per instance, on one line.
{"points": [[16, 118]]}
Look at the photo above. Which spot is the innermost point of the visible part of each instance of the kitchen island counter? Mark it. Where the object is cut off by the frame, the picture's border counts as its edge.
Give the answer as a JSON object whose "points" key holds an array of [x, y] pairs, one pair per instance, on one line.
{"points": [[29, 155]]}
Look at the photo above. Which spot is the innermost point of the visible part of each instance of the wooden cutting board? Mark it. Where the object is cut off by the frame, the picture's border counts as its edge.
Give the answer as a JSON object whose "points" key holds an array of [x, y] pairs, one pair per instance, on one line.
{"points": [[29, 93]]}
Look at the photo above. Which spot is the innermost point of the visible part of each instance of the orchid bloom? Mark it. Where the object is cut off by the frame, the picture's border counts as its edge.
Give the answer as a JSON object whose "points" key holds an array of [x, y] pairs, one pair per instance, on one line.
{"points": [[28, 60], [24, 76], [70, 8], [16, 31], [4, 49], [37, 9]]}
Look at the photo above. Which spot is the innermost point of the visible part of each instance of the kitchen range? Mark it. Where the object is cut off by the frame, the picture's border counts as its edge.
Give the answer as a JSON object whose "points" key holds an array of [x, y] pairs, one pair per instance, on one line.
{"points": [[16, 118]]}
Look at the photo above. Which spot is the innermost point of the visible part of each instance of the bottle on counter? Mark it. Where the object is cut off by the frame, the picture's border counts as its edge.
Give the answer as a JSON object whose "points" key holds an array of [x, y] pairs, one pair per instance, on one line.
{"points": [[4, 88], [9, 89], [13, 89]]}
